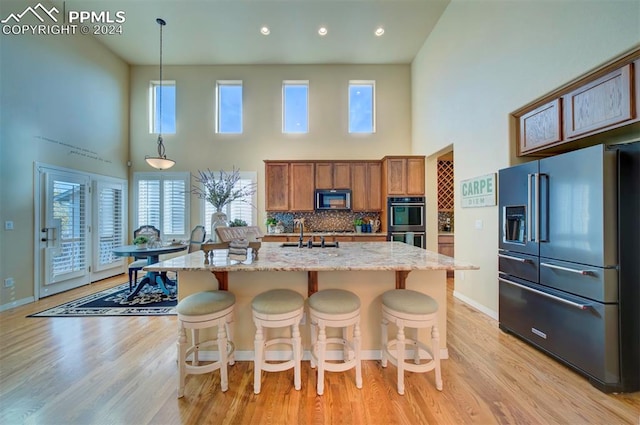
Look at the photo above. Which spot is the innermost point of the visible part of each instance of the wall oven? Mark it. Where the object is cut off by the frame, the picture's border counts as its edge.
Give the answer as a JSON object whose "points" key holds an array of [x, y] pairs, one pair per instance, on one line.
{"points": [[406, 214], [418, 239], [406, 220]]}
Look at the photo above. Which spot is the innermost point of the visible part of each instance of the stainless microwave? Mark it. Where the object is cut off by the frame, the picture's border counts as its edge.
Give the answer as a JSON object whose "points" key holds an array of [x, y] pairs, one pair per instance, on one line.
{"points": [[333, 199]]}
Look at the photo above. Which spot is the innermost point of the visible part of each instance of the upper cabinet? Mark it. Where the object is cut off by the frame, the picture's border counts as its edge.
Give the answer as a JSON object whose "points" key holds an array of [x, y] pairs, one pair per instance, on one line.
{"points": [[276, 186], [605, 99], [333, 175], [404, 176], [366, 190], [600, 104], [289, 186], [541, 127], [301, 188]]}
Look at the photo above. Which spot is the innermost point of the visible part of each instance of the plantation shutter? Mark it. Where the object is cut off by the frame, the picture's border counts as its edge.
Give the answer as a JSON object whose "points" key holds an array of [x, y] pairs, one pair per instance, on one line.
{"points": [[163, 202], [174, 204], [238, 209], [69, 209], [110, 223], [149, 203]]}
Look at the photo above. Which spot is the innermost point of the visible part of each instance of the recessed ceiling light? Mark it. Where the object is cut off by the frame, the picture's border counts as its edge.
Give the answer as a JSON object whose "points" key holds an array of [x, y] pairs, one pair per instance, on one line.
{"points": [[379, 31], [265, 31], [323, 31]]}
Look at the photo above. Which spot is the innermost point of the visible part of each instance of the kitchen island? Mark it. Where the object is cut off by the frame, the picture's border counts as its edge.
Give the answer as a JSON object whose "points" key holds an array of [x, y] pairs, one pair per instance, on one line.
{"points": [[366, 268]]}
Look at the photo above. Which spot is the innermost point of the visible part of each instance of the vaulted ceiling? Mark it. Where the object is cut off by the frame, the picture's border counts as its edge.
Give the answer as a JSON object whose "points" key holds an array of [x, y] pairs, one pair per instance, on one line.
{"points": [[223, 32]]}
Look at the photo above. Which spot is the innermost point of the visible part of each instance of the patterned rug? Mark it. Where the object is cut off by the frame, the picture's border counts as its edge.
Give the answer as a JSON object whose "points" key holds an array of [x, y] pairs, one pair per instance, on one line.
{"points": [[150, 301]]}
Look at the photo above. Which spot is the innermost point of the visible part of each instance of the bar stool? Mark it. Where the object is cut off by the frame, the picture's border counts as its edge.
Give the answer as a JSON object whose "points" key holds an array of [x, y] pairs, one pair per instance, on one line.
{"points": [[205, 310], [277, 308], [335, 308], [411, 309]]}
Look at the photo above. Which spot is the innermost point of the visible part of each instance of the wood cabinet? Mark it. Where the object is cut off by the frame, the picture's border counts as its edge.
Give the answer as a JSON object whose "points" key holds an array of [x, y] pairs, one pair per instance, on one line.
{"points": [[366, 190], [333, 175], [541, 127], [277, 186], [289, 186], [605, 99], [404, 176], [446, 247], [599, 104], [301, 186]]}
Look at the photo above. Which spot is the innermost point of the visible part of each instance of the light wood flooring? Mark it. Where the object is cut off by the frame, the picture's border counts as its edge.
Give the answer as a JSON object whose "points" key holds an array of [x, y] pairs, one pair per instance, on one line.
{"points": [[122, 370]]}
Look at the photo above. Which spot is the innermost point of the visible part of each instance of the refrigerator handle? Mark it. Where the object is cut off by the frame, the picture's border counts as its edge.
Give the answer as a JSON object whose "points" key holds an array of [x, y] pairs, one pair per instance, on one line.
{"points": [[529, 207], [544, 294], [542, 232], [537, 206]]}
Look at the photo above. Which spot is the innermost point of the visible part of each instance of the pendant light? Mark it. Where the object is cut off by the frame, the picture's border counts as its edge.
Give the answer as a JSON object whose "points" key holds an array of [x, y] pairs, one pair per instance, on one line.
{"points": [[161, 162]]}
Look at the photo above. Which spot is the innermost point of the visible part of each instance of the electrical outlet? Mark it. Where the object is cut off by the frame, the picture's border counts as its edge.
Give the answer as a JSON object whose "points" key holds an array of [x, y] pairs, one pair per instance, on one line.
{"points": [[8, 225], [9, 282]]}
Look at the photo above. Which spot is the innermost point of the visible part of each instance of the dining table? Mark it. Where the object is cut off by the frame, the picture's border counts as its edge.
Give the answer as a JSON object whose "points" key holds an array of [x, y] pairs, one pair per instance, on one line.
{"points": [[152, 254]]}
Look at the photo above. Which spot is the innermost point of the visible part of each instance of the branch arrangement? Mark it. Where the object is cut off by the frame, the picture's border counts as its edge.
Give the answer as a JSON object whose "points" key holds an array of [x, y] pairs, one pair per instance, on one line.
{"points": [[221, 188]]}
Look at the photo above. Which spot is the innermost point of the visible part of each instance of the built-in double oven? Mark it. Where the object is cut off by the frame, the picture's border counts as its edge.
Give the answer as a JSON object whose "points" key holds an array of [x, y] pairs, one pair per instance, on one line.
{"points": [[406, 220]]}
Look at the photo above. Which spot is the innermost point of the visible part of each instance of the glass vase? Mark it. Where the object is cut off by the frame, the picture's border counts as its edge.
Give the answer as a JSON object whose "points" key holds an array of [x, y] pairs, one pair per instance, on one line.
{"points": [[218, 219]]}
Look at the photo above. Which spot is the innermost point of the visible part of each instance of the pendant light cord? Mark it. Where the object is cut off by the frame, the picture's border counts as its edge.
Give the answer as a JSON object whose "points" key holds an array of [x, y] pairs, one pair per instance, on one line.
{"points": [[161, 151]]}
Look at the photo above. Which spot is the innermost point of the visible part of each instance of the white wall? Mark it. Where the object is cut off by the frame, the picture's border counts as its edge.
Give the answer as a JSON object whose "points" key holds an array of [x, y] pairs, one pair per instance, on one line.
{"points": [[195, 145], [484, 60], [60, 94]]}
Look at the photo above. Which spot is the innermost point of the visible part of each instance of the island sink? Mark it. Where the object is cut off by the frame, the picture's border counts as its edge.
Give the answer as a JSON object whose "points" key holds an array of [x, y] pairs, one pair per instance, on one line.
{"points": [[310, 245]]}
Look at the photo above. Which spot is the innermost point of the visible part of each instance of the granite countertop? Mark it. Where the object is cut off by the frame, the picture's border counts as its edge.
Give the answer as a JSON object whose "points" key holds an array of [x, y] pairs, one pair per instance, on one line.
{"points": [[350, 256]]}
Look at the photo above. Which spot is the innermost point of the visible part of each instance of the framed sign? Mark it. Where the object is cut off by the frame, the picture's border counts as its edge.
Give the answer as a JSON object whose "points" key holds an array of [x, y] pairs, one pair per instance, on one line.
{"points": [[478, 191]]}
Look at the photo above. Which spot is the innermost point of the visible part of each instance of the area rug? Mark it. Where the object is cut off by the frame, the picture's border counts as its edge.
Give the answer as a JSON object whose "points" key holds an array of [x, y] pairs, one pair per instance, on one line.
{"points": [[150, 301]]}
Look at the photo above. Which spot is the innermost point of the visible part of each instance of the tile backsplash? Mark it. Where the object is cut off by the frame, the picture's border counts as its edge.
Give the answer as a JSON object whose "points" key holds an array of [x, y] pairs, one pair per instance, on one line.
{"points": [[337, 221], [442, 219]]}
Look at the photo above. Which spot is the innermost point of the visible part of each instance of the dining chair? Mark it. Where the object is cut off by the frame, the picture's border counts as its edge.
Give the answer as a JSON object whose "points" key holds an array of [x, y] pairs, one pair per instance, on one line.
{"points": [[153, 234], [197, 238]]}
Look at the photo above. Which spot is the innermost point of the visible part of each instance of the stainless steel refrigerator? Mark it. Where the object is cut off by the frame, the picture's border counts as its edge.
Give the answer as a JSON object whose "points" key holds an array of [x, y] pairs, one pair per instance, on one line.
{"points": [[569, 260]]}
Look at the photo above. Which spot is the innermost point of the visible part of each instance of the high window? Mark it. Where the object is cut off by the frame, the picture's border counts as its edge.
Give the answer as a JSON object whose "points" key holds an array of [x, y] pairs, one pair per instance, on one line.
{"points": [[229, 107], [168, 117], [362, 107], [161, 200], [239, 209], [295, 106]]}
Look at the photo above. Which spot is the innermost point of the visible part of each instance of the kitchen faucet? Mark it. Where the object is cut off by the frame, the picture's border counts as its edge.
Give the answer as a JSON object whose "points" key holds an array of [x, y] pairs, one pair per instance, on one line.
{"points": [[300, 223]]}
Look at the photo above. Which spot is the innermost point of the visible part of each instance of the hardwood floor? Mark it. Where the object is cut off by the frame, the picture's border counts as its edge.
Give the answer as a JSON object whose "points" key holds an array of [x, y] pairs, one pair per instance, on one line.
{"points": [[122, 370]]}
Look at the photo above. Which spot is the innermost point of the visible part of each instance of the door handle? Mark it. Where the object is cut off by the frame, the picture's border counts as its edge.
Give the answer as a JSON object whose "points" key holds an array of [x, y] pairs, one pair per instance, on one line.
{"points": [[568, 269], [529, 236], [544, 294], [520, 260]]}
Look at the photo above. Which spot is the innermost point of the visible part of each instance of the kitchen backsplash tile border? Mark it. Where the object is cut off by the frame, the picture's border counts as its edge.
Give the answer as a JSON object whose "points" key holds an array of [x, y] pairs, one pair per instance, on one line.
{"points": [[335, 221]]}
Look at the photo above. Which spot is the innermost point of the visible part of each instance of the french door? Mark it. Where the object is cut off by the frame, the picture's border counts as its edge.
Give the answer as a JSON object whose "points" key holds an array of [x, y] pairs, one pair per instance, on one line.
{"points": [[73, 245]]}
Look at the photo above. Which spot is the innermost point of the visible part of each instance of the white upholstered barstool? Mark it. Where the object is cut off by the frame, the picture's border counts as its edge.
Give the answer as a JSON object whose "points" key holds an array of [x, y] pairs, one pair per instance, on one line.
{"points": [[199, 311], [414, 310], [335, 308], [277, 308]]}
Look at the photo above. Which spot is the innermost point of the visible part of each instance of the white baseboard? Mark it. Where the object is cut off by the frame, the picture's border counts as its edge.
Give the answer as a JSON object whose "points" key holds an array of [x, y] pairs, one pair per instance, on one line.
{"points": [[247, 356], [491, 313], [16, 303]]}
